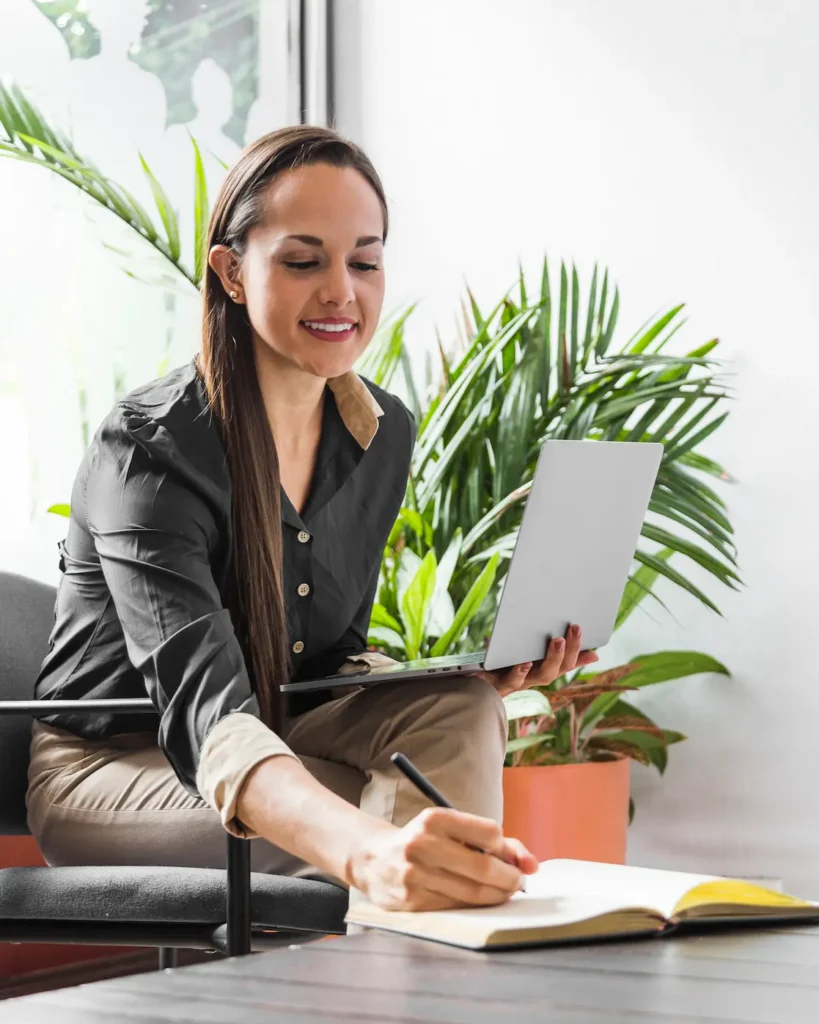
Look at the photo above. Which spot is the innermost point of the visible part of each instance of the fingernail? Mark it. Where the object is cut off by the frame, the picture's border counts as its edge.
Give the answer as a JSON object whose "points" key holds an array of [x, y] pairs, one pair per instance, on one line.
{"points": [[558, 642], [575, 630], [524, 668]]}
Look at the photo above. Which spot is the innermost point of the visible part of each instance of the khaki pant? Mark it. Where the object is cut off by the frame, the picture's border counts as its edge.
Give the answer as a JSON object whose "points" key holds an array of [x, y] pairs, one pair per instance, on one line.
{"points": [[119, 801]]}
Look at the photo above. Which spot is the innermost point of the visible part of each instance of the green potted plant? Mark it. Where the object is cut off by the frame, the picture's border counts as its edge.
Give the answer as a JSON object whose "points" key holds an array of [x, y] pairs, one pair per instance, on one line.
{"points": [[524, 373]]}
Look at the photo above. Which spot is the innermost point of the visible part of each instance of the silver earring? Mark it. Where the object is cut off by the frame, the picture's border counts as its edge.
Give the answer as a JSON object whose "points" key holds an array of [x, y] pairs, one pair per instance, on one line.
{"points": [[234, 295]]}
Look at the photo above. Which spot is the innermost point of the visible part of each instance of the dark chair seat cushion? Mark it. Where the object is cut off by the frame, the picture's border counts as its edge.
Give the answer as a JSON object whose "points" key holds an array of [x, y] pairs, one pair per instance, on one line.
{"points": [[165, 895]]}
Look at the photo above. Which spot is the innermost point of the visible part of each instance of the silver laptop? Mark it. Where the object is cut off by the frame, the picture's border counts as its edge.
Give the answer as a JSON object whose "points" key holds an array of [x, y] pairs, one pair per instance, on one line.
{"points": [[570, 564]]}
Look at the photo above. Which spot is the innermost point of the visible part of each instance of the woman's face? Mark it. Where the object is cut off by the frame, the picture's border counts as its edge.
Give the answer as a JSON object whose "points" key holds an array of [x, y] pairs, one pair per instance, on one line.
{"points": [[312, 275]]}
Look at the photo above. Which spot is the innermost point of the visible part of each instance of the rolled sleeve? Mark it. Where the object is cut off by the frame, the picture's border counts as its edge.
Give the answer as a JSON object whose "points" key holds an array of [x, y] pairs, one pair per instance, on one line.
{"points": [[153, 531], [232, 749]]}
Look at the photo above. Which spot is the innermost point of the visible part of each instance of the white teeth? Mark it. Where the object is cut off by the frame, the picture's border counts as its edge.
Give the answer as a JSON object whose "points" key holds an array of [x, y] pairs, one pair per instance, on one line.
{"points": [[330, 328]]}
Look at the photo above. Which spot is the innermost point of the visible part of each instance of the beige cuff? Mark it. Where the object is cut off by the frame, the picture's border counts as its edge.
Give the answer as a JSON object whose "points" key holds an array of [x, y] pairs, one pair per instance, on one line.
{"points": [[357, 664], [232, 749], [372, 659]]}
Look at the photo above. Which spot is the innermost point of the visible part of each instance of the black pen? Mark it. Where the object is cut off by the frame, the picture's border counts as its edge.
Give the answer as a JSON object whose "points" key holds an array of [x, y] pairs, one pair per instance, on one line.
{"points": [[422, 783]]}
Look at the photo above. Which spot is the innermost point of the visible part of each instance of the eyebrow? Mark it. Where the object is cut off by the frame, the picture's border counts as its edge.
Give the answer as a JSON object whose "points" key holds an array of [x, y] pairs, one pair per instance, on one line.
{"points": [[313, 240]]}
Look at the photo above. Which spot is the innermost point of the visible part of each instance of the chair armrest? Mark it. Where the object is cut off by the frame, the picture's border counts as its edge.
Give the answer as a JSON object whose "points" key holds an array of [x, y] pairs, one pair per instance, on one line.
{"points": [[126, 705], [238, 912], [237, 909]]}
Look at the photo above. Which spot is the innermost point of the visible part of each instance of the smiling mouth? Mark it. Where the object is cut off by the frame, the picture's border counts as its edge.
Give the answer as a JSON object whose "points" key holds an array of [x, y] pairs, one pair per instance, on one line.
{"points": [[328, 331]]}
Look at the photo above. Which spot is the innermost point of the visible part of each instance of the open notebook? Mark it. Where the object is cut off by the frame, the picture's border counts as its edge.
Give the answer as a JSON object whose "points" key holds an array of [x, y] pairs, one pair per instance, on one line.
{"points": [[574, 899]]}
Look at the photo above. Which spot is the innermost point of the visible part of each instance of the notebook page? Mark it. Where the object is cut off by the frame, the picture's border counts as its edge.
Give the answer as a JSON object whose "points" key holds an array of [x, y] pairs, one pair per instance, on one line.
{"points": [[731, 896], [522, 911], [617, 884]]}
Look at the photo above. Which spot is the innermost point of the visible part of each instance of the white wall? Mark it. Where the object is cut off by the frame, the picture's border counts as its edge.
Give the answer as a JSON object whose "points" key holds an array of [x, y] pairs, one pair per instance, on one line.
{"points": [[679, 144]]}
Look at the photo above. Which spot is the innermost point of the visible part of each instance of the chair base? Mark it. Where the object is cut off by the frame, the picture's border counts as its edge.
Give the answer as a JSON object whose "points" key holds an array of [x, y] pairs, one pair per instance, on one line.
{"points": [[164, 937], [168, 957]]}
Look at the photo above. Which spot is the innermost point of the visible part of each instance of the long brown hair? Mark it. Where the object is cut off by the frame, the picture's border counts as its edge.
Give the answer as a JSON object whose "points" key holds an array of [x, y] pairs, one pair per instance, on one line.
{"points": [[228, 369]]}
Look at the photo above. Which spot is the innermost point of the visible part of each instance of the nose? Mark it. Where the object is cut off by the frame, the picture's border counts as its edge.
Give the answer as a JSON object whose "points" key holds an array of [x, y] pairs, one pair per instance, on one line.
{"points": [[336, 286]]}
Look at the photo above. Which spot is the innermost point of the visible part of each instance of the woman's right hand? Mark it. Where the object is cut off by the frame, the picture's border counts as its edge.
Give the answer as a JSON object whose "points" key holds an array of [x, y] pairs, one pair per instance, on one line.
{"points": [[426, 864]]}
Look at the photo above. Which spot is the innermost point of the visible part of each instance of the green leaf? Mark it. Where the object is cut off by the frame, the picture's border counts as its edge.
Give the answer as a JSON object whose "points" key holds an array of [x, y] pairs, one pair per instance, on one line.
{"points": [[666, 665], [381, 617], [639, 587], [471, 375], [715, 539], [406, 566], [517, 415], [523, 300], [545, 326], [525, 742], [668, 501], [621, 708], [417, 522], [431, 479], [201, 209], [166, 211], [442, 611], [60, 510], [680, 449], [381, 636], [631, 399], [563, 368], [469, 608], [477, 316], [654, 747], [503, 548], [675, 577], [383, 355], [575, 313], [588, 337], [526, 704], [608, 333], [654, 668], [688, 400], [601, 345], [494, 514], [639, 430], [673, 475], [415, 605], [693, 551], [413, 399], [703, 464], [642, 343], [704, 350]]}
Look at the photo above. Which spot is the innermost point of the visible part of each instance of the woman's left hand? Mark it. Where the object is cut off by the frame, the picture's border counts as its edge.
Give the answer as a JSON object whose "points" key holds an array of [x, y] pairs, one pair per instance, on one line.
{"points": [[562, 656]]}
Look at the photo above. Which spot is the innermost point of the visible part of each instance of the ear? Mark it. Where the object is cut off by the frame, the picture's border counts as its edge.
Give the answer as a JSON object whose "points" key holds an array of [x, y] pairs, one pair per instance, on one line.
{"points": [[222, 261]]}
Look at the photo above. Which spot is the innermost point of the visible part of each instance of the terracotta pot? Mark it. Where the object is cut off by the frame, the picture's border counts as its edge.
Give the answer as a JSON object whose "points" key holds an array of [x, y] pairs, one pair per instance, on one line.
{"points": [[578, 811]]}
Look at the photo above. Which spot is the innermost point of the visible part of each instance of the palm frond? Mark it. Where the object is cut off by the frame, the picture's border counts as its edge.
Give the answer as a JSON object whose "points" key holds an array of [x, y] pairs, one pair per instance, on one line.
{"points": [[27, 136]]}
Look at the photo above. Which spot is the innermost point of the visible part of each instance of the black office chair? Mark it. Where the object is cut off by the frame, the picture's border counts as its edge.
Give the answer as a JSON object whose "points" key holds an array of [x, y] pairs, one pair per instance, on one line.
{"points": [[234, 911]]}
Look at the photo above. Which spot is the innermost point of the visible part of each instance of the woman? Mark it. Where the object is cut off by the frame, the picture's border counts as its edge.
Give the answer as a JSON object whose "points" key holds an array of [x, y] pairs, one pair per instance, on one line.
{"points": [[227, 526]]}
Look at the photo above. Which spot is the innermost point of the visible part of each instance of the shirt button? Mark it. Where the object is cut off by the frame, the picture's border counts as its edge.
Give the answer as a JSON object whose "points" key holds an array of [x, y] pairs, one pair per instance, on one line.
{"points": [[298, 647], [304, 536], [304, 589]]}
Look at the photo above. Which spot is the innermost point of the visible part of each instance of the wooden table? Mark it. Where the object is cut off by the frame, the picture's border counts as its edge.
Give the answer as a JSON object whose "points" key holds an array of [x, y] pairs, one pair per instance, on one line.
{"points": [[733, 977]]}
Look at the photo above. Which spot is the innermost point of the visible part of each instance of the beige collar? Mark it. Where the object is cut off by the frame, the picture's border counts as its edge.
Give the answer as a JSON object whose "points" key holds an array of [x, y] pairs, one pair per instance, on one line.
{"points": [[357, 407]]}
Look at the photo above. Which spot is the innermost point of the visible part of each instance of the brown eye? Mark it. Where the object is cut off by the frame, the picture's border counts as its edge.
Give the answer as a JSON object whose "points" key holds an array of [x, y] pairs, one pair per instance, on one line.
{"points": [[298, 265]]}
